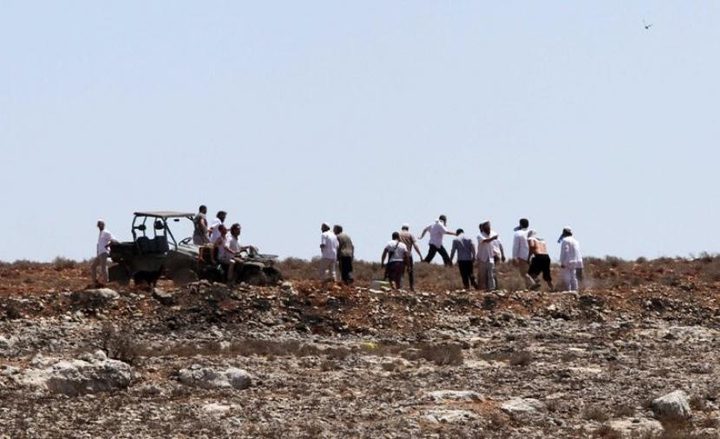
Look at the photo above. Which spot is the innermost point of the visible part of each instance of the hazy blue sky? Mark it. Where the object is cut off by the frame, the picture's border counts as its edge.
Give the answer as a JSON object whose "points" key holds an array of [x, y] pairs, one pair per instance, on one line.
{"points": [[367, 114]]}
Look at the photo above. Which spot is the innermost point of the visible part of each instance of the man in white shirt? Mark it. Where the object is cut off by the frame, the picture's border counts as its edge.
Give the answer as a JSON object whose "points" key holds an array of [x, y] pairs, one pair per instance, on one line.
{"points": [[397, 254], [521, 252], [328, 250], [437, 233], [214, 226], [225, 252], [570, 259], [486, 255], [105, 238]]}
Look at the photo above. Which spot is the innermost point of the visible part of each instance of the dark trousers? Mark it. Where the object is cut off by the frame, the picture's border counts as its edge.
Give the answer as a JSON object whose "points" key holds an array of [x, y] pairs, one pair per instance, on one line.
{"points": [[411, 275], [395, 271], [433, 250], [346, 268], [466, 273], [540, 264]]}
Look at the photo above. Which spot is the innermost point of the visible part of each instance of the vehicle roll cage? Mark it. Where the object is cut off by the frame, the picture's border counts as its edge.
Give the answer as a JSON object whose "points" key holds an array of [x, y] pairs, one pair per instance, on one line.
{"points": [[159, 224]]}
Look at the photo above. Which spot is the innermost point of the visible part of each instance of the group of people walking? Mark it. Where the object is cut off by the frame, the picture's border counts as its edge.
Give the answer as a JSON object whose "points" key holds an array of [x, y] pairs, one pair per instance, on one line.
{"points": [[529, 255]]}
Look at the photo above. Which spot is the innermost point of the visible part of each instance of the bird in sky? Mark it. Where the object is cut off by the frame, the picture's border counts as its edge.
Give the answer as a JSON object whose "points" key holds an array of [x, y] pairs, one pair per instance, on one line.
{"points": [[647, 26]]}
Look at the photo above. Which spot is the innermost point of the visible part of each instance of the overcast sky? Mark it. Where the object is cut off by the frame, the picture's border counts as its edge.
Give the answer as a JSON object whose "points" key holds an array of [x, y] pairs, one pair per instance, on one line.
{"points": [[368, 114]]}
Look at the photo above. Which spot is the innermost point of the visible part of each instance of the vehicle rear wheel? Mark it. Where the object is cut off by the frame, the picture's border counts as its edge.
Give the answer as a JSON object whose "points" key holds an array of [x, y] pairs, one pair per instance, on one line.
{"points": [[119, 273], [183, 276], [253, 276], [273, 275]]}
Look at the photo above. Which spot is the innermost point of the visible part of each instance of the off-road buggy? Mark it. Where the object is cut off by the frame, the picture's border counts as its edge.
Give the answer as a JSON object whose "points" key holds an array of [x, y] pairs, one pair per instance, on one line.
{"points": [[155, 252]]}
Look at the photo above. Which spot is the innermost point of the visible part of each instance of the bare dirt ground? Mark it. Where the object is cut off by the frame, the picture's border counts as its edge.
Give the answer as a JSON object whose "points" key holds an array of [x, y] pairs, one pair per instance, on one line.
{"points": [[304, 359]]}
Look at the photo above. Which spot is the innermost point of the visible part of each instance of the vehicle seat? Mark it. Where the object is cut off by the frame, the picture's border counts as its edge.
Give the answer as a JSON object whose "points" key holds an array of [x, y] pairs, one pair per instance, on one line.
{"points": [[145, 244], [161, 244], [205, 253]]}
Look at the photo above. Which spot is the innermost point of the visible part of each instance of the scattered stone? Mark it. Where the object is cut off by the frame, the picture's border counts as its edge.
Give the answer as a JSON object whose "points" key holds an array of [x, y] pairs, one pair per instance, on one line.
{"points": [[207, 378], [450, 416], [522, 406], [215, 408], [94, 297], [454, 395], [636, 427], [164, 297], [674, 405]]}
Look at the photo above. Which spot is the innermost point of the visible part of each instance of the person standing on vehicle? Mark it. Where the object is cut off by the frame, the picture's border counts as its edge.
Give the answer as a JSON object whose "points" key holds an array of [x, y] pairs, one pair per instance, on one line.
{"points": [[396, 253], [328, 252], [105, 238], [346, 254], [487, 248], [539, 259], [570, 259], [437, 233], [466, 256], [214, 226], [200, 234], [521, 252], [410, 242]]}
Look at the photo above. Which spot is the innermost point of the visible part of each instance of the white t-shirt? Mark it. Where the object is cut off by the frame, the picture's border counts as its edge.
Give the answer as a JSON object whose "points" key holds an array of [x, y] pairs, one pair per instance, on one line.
{"points": [[329, 244], [570, 255], [521, 249], [234, 244], [104, 239], [224, 253], [486, 250], [437, 233], [215, 230], [397, 251]]}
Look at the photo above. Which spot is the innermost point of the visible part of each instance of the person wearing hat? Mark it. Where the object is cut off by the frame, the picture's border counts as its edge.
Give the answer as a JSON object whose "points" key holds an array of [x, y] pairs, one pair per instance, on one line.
{"points": [[437, 233], [570, 259], [328, 251], [410, 242], [487, 249], [465, 249], [539, 259], [521, 252], [105, 238]]}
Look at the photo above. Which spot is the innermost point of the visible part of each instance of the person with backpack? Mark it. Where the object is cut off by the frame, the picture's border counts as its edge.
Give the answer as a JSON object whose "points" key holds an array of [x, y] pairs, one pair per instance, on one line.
{"points": [[465, 249], [397, 254]]}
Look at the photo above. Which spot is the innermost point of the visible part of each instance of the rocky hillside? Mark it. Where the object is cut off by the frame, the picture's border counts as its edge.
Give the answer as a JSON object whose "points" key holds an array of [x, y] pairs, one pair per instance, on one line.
{"points": [[635, 355]]}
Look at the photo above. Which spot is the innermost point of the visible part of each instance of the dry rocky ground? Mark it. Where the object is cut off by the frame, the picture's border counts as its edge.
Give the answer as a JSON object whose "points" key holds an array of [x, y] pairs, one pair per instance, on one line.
{"points": [[635, 355]]}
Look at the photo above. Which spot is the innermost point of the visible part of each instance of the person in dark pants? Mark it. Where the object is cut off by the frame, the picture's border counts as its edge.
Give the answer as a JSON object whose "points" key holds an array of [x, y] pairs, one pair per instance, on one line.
{"points": [[396, 254], [346, 254], [437, 233], [539, 260], [465, 249], [410, 242]]}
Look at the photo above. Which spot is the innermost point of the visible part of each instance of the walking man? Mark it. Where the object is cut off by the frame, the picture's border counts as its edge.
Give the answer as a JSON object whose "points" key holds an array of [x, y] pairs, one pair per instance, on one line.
{"points": [[539, 259], [396, 253], [328, 251], [214, 226], [410, 242], [570, 259], [200, 234], [466, 256], [105, 238], [346, 254], [487, 256], [437, 233], [521, 252]]}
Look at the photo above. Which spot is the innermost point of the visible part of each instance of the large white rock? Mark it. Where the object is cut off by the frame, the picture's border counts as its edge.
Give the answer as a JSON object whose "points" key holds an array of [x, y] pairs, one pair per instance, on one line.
{"points": [[97, 296], [673, 405], [636, 427], [77, 377], [522, 406], [207, 378]]}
